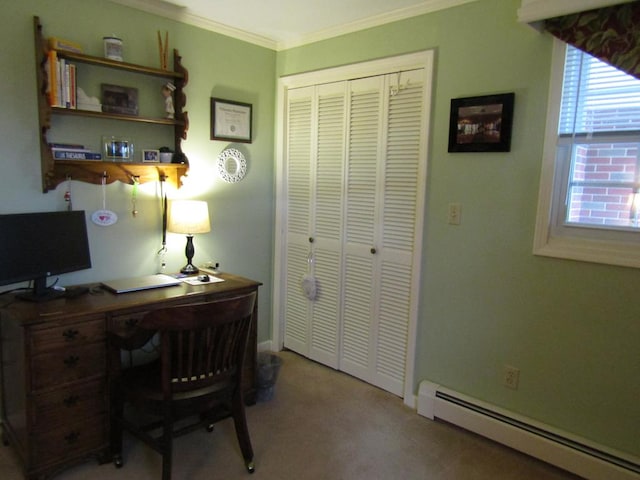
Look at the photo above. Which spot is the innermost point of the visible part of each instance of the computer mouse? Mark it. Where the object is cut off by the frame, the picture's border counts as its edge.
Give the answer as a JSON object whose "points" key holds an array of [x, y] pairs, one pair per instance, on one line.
{"points": [[204, 278]]}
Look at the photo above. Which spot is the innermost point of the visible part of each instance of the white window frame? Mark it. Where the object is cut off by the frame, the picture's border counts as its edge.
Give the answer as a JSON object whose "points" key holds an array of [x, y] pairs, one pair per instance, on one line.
{"points": [[570, 243]]}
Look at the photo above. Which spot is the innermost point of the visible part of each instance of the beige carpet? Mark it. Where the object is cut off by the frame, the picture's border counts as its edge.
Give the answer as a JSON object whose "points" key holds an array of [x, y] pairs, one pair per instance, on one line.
{"points": [[322, 424]]}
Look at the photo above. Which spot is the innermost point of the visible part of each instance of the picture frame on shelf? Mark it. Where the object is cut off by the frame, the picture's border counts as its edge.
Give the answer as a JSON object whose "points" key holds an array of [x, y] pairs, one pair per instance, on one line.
{"points": [[150, 156], [231, 120], [118, 99], [117, 149], [481, 124]]}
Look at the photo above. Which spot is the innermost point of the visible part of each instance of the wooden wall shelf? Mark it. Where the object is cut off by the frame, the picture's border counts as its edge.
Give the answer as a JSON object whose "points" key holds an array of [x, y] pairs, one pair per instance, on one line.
{"points": [[93, 172], [115, 116], [55, 172]]}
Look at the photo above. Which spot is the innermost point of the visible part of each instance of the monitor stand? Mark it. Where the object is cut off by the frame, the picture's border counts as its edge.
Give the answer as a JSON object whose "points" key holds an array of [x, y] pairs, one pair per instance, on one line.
{"points": [[40, 292]]}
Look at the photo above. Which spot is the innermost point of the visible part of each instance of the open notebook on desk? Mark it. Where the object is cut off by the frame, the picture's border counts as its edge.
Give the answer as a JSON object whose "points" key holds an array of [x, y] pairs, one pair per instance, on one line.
{"points": [[134, 284]]}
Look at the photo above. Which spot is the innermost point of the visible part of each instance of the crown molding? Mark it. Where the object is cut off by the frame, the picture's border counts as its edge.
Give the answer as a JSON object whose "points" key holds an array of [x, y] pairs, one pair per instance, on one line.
{"points": [[428, 6], [180, 14], [175, 11]]}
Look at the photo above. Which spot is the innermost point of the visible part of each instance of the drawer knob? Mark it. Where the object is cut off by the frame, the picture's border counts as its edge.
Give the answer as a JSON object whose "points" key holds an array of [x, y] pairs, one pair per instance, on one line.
{"points": [[72, 437], [131, 322], [70, 334], [71, 400], [71, 360]]}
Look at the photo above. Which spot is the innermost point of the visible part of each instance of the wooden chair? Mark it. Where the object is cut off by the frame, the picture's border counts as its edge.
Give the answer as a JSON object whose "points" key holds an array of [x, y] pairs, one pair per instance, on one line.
{"points": [[198, 374]]}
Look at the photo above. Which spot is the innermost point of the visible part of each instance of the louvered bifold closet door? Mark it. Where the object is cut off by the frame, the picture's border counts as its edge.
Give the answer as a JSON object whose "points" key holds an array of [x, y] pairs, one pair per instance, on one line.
{"points": [[385, 172], [300, 141], [318, 252], [327, 233], [362, 184], [403, 177]]}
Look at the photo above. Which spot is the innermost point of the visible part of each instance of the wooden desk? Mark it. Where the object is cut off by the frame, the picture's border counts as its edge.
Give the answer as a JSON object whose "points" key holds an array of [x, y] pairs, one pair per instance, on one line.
{"points": [[54, 368]]}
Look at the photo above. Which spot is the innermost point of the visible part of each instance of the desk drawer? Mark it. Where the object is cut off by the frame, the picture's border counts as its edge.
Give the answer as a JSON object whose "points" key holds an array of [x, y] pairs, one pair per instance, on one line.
{"points": [[62, 366], [69, 441], [64, 406], [91, 329], [125, 323]]}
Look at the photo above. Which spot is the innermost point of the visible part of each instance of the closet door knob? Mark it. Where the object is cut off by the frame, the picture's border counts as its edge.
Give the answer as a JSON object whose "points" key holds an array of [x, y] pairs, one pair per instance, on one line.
{"points": [[373, 250], [310, 239]]}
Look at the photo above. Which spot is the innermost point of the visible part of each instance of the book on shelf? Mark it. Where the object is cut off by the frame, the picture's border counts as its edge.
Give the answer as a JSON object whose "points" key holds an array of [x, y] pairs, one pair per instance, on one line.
{"points": [[56, 43], [52, 76], [71, 150], [66, 146], [61, 81], [75, 155]]}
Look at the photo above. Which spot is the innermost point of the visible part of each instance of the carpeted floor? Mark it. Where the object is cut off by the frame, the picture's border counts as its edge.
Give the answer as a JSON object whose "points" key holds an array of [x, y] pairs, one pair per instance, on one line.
{"points": [[322, 424]]}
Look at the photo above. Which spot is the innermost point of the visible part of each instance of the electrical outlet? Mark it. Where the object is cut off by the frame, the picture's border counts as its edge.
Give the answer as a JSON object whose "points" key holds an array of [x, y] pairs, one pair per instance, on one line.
{"points": [[511, 377], [454, 214]]}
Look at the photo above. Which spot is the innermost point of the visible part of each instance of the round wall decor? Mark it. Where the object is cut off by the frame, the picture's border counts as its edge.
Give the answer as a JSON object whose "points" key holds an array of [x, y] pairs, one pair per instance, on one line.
{"points": [[232, 166]]}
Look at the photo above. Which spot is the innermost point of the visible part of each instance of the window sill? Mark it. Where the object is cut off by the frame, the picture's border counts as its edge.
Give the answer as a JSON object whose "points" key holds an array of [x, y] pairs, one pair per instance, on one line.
{"points": [[595, 251]]}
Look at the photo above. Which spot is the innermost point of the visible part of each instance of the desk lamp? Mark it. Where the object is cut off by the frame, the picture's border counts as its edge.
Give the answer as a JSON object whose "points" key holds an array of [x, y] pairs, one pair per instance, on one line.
{"points": [[188, 217]]}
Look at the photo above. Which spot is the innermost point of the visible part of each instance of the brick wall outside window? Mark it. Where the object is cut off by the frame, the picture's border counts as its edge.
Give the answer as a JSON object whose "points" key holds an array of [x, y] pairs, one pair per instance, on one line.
{"points": [[612, 172]]}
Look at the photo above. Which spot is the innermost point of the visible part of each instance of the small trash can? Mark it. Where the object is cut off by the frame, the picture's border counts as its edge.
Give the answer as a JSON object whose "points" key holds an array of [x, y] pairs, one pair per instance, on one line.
{"points": [[268, 367]]}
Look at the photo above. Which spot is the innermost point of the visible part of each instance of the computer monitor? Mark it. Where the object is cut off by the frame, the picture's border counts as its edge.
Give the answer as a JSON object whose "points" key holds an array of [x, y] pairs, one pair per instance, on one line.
{"points": [[35, 246]]}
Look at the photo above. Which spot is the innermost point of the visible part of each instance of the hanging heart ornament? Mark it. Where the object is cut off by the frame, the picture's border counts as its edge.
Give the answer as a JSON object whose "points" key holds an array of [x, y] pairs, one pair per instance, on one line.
{"points": [[104, 217]]}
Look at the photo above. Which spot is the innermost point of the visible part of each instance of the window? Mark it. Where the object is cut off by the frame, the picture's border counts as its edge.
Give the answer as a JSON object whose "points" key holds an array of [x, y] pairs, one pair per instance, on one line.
{"points": [[589, 206]]}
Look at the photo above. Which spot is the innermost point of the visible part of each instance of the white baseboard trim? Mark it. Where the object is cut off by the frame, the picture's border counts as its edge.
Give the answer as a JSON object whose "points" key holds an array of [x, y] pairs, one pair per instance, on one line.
{"points": [[562, 449]]}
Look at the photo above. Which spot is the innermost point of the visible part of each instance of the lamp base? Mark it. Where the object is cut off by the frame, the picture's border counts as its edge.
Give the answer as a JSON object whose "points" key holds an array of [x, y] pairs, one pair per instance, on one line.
{"points": [[189, 269]]}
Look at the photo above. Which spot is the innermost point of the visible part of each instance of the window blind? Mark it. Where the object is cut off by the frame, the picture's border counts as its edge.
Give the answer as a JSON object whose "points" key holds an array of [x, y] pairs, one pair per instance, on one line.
{"points": [[597, 97]]}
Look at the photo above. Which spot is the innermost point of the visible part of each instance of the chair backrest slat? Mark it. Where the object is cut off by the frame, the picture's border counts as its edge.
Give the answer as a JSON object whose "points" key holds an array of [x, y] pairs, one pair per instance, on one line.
{"points": [[207, 341]]}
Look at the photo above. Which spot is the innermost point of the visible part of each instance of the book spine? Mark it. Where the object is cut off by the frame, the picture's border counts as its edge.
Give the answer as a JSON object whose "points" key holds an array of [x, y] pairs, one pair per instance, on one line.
{"points": [[57, 149], [73, 94], [60, 92], [53, 77], [56, 43], [66, 146], [71, 155], [66, 84]]}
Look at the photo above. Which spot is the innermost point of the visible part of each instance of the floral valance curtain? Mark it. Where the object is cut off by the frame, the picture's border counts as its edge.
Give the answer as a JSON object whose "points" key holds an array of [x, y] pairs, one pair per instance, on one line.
{"points": [[611, 34]]}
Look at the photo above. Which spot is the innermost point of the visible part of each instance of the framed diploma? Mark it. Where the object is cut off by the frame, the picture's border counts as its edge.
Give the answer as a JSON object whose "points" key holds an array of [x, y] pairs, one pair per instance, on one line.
{"points": [[230, 120]]}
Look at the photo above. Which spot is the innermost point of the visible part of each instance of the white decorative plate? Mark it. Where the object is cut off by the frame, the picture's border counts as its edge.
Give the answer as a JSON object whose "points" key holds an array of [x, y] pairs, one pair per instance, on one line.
{"points": [[232, 166]]}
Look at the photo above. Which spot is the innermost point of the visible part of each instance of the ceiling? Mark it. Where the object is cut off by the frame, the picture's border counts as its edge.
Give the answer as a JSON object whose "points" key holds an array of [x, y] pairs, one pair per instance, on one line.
{"points": [[282, 24]]}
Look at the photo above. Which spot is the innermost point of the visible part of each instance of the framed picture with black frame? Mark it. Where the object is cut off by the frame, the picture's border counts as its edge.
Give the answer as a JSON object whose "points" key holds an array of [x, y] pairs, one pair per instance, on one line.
{"points": [[481, 124], [231, 120]]}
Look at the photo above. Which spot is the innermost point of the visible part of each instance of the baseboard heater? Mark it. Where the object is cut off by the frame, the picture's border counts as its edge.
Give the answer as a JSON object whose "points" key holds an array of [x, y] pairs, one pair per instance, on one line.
{"points": [[541, 441]]}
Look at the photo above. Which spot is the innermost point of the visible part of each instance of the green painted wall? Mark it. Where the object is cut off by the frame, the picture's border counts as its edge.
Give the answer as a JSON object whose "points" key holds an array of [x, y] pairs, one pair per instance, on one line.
{"points": [[241, 214], [572, 328]]}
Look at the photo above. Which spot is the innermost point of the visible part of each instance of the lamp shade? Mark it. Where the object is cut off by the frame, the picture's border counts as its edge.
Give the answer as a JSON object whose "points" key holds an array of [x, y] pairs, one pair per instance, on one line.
{"points": [[188, 216]]}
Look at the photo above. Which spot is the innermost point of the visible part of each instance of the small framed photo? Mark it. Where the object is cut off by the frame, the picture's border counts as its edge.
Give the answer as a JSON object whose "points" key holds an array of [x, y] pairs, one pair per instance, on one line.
{"points": [[117, 99], [481, 124], [117, 149], [150, 156], [231, 120]]}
